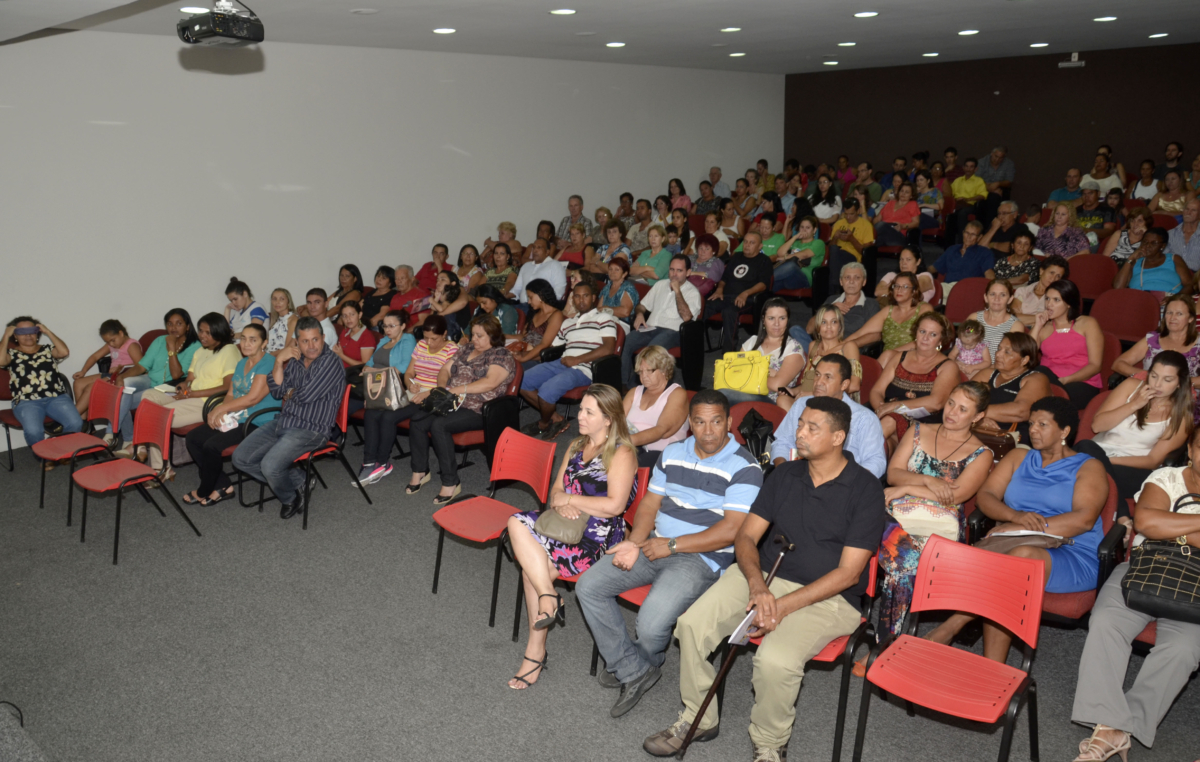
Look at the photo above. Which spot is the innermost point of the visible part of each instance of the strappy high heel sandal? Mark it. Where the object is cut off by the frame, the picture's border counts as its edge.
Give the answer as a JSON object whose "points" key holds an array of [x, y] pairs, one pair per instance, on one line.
{"points": [[1096, 749], [558, 616], [541, 665]]}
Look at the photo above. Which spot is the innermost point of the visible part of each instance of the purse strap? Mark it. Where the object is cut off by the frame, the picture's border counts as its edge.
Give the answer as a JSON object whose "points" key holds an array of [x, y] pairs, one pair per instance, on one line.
{"points": [[367, 384]]}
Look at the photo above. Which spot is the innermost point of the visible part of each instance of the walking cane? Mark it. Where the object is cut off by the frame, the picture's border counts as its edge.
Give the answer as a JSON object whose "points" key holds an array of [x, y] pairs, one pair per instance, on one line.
{"points": [[734, 645]]}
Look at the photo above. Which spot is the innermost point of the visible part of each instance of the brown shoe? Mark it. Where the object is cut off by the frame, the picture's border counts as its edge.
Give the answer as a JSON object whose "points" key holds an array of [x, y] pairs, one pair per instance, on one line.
{"points": [[667, 743]]}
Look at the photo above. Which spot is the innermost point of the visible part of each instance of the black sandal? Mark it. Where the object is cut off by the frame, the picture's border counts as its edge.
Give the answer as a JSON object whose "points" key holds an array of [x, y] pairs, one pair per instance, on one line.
{"points": [[221, 497], [558, 616], [413, 489], [187, 499], [541, 665]]}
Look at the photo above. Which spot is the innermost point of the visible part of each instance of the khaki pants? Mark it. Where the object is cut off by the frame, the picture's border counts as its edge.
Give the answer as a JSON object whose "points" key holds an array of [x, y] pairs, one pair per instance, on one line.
{"points": [[187, 412], [778, 663]]}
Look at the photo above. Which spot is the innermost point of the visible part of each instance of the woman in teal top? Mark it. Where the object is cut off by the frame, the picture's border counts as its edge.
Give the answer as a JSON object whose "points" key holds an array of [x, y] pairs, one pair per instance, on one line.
{"points": [[799, 256], [167, 358], [247, 396], [397, 351], [652, 265], [491, 302], [1151, 268], [619, 295]]}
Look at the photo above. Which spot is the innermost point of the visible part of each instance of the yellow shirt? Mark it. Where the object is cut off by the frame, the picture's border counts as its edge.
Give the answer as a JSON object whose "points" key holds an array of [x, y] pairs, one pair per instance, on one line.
{"points": [[861, 230], [209, 368], [968, 188]]}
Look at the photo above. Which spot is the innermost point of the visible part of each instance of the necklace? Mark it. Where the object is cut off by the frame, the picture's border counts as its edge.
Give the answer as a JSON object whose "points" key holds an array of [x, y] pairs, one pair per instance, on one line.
{"points": [[956, 449]]}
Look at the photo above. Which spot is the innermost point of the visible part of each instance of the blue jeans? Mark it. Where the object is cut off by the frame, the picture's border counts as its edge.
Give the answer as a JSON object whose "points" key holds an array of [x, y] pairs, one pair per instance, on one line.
{"points": [[636, 341], [129, 402], [801, 336], [677, 581], [789, 275], [268, 453], [551, 380], [32, 415]]}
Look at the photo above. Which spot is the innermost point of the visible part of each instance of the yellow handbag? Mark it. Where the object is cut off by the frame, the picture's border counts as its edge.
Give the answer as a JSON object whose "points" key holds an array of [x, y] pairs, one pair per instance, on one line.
{"points": [[742, 372]]}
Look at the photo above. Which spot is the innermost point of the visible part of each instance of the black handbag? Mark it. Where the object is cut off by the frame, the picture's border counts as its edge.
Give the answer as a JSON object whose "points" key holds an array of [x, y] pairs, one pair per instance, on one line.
{"points": [[1163, 579], [758, 434], [441, 402]]}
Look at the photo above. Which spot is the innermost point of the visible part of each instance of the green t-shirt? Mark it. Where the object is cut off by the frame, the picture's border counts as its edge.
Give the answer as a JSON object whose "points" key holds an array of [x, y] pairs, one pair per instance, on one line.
{"points": [[769, 246], [660, 262], [158, 365], [817, 247]]}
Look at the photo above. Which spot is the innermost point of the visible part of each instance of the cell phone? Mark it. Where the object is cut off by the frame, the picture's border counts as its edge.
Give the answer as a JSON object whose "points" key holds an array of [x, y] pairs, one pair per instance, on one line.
{"points": [[783, 390]]}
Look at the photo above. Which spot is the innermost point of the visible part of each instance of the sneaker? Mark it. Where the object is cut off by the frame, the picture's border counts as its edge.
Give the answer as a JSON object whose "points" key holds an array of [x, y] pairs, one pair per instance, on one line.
{"points": [[632, 691], [365, 472], [376, 474], [608, 679], [666, 743], [769, 754]]}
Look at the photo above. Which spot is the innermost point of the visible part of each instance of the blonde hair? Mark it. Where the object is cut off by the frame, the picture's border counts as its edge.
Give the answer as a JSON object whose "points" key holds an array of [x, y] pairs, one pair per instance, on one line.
{"points": [[655, 357], [577, 226], [820, 317], [604, 209], [612, 408], [1072, 220], [507, 226], [286, 295], [661, 231]]}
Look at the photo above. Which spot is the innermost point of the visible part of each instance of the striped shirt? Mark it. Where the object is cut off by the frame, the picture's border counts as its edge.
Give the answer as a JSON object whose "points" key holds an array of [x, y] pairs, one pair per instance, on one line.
{"points": [[696, 493], [311, 396], [585, 333], [426, 366]]}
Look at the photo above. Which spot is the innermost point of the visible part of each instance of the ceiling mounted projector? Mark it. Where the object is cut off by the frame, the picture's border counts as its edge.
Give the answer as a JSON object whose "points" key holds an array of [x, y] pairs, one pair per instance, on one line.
{"points": [[223, 25]]}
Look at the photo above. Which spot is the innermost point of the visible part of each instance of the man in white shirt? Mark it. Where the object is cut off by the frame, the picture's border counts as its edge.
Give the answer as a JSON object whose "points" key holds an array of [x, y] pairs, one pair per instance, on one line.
{"points": [[587, 338], [720, 189], [540, 266], [669, 304]]}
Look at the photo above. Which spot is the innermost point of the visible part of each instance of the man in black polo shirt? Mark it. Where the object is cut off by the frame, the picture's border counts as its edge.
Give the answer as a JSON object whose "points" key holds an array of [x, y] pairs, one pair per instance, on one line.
{"points": [[833, 510], [742, 288]]}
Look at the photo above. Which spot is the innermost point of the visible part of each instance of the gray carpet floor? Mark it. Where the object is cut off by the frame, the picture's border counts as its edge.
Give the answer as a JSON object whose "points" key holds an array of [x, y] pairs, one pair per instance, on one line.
{"points": [[260, 641]]}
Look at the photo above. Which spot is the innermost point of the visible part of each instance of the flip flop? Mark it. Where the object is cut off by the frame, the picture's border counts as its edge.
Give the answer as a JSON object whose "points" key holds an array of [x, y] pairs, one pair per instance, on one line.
{"points": [[214, 500]]}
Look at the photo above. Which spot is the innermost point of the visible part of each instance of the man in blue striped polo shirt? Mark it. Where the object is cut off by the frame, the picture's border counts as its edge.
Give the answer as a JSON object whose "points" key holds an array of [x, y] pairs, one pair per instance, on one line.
{"points": [[681, 542]]}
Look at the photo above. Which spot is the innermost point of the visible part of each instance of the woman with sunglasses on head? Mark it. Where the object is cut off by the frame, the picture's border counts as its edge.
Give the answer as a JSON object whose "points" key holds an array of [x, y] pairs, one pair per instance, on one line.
{"points": [[38, 390]]}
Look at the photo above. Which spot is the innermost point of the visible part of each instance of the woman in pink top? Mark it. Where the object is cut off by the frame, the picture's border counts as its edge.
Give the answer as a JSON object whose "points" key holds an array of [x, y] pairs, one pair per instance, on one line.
{"points": [[657, 410], [678, 196], [1072, 344], [123, 353], [898, 219]]}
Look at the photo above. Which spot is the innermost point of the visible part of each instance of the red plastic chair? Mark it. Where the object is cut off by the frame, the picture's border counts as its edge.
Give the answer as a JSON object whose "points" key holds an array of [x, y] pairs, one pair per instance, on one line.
{"points": [[770, 411], [103, 405], [483, 519], [952, 576], [499, 414], [1165, 221], [642, 289], [1112, 351], [152, 427], [1093, 274], [871, 371], [1133, 203], [696, 223], [148, 338], [1058, 391], [1127, 313], [966, 298], [521, 322], [936, 301], [8, 418]]}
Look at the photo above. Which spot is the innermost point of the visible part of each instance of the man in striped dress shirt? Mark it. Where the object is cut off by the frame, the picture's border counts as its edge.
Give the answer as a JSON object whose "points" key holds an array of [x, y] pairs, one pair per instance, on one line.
{"points": [[681, 542], [588, 337], [310, 381]]}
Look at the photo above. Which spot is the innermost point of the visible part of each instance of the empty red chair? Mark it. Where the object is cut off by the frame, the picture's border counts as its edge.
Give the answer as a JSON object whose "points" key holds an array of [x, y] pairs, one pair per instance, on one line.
{"points": [[966, 298], [1131, 203], [103, 405], [152, 427], [1167, 221], [871, 371], [768, 410], [642, 289], [696, 223], [1093, 273], [483, 519], [1127, 313], [952, 576], [1112, 352]]}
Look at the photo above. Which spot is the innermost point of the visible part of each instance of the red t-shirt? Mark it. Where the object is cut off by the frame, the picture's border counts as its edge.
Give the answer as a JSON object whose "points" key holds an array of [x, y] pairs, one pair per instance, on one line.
{"points": [[412, 301], [902, 216], [427, 275], [352, 347]]}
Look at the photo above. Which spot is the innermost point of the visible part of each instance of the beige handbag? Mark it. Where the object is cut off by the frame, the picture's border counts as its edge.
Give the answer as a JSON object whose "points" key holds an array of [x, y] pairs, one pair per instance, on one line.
{"points": [[550, 523], [383, 389]]}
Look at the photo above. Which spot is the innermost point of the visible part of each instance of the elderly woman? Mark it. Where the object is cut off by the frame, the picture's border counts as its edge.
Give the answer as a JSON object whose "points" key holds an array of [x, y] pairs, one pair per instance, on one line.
{"points": [[784, 354], [930, 479], [479, 374], [1050, 488], [1153, 268], [375, 306], [502, 276], [248, 394], [1101, 700], [830, 340], [1071, 343], [166, 359], [1014, 385], [597, 480], [796, 259], [615, 248], [1063, 237], [491, 302], [38, 390], [1176, 331], [350, 288], [470, 269], [619, 296], [706, 267], [1122, 246], [656, 411], [545, 318], [1142, 422], [506, 233], [909, 261], [602, 217], [915, 380], [427, 276], [1030, 299], [898, 217], [1019, 266]]}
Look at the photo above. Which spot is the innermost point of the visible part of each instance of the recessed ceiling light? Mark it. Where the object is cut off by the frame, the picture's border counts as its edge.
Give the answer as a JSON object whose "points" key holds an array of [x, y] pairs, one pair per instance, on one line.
{"points": [[736, 55], [930, 55], [1039, 44], [866, 14], [1106, 18], [1156, 36], [968, 32], [732, 29], [364, 11], [193, 9], [563, 12], [584, 34], [444, 30], [846, 44], [616, 44], [830, 63]]}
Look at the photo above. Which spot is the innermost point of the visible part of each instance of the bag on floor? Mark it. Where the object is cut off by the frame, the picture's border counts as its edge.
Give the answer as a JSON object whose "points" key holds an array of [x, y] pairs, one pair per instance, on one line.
{"points": [[742, 372]]}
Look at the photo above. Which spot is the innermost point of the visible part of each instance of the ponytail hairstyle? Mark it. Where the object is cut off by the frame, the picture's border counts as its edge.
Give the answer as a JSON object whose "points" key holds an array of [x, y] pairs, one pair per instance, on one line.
{"points": [[112, 327], [237, 287]]}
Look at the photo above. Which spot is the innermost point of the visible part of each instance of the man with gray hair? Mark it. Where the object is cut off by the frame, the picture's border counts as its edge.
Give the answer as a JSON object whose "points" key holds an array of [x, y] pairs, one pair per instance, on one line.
{"points": [[409, 296], [720, 188], [997, 174], [1004, 229], [576, 217], [856, 307]]}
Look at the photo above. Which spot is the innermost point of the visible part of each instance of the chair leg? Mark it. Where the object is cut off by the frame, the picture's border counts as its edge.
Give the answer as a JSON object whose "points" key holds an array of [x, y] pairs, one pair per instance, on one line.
{"points": [[42, 493], [400, 453], [839, 727], [464, 463], [261, 493], [321, 479], [595, 658], [179, 508], [354, 476], [1010, 722], [1031, 708], [437, 564], [861, 732], [153, 502], [496, 583], [520, 602], [309, 470], [70, 498], [117, 526], [8, 438], [83, 517]]}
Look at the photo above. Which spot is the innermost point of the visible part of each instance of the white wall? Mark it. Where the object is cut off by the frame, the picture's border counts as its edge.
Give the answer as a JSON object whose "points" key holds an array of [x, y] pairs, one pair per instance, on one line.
{"points": [[131, 185]]}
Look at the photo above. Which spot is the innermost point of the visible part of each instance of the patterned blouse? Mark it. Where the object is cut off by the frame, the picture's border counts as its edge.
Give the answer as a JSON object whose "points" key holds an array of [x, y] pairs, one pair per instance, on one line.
{"points": [[465, 371], [34, 376], [930, 197], [1070, 243], [707, 207], [1006, 270], [613, 300], [499, 278], [605, 255]]}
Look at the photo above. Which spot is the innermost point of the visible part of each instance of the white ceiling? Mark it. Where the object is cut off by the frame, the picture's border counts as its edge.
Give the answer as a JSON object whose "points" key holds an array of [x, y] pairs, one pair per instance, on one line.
{"points": [[778, 36]]}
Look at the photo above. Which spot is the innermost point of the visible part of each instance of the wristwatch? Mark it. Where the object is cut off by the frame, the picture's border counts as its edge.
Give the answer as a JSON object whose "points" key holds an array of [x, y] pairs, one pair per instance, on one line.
{"points": [[671, 545]]}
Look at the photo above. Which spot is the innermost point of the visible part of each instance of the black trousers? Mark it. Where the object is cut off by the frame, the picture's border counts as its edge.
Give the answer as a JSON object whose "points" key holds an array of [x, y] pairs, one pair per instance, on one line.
{"points": [[379, 432], [1128, 479], [439, 430], [1081, 393], [205, 445], [730, 313]]}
